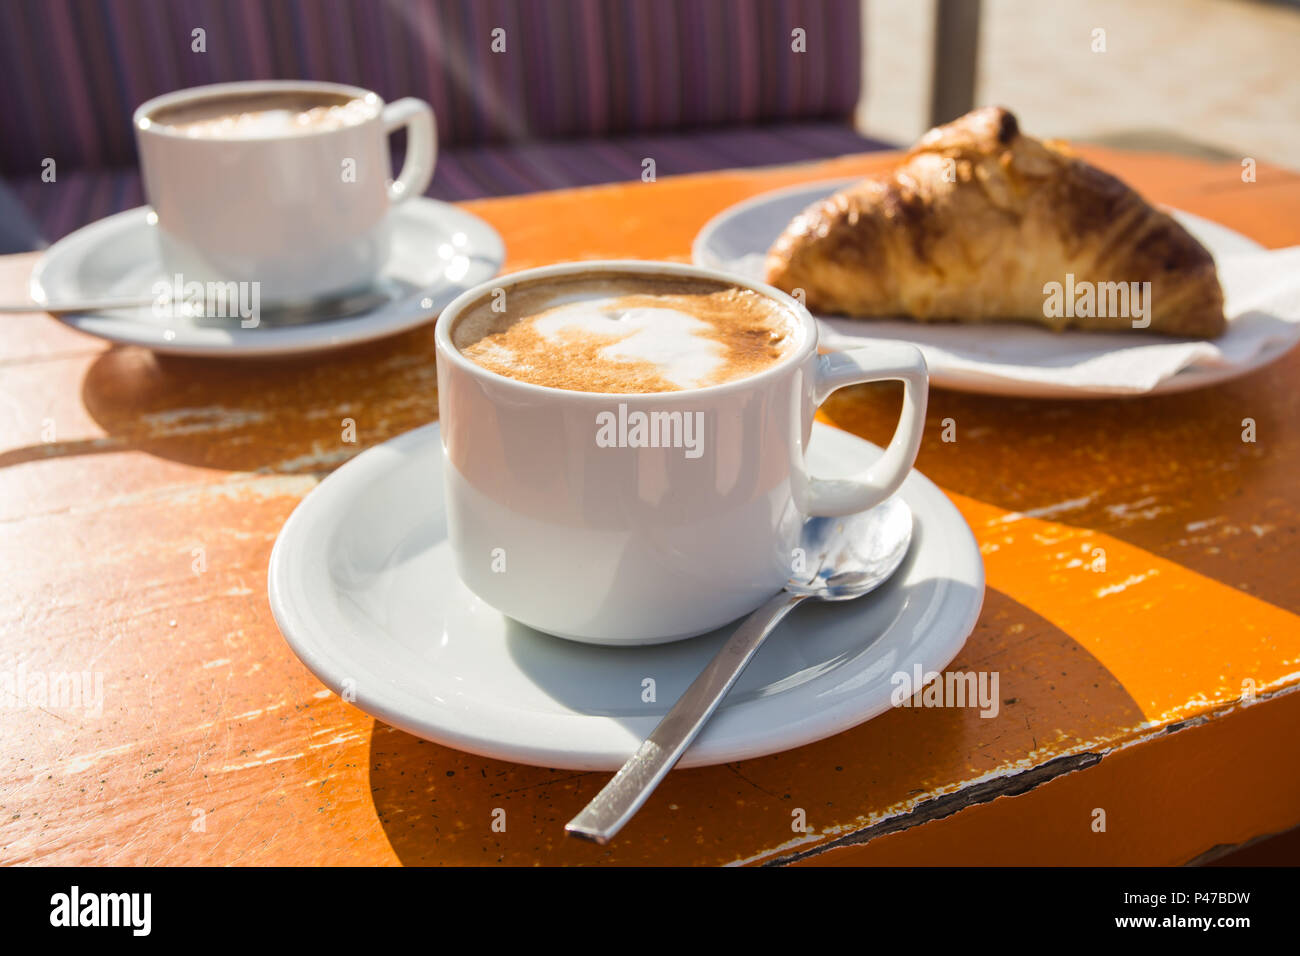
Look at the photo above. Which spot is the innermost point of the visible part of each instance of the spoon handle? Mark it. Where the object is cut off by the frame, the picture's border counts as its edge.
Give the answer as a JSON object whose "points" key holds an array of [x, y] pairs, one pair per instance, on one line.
{"points": [[623, 796], [85, 305]]}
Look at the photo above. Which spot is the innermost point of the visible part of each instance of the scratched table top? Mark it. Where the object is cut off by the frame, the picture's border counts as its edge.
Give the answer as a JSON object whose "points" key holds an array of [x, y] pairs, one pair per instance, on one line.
{"points": [[1141, 613]]}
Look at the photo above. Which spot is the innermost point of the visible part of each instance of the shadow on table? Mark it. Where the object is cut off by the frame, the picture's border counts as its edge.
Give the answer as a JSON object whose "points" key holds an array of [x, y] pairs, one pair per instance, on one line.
{"points": [[1169, 474], [438, 805], [278, 415]]}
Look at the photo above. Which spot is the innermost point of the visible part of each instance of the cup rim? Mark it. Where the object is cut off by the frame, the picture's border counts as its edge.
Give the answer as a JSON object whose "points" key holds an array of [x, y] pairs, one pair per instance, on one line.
{"points": [[807, 327], [141, 122]]}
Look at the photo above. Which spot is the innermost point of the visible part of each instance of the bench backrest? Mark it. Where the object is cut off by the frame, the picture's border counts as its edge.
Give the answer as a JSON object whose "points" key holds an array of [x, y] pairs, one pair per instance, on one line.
{"points": [[74, 70]]}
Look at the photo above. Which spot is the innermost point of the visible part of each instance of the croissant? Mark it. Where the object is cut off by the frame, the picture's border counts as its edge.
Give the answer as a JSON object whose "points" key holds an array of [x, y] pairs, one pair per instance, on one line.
{"points": [[980, 223]]}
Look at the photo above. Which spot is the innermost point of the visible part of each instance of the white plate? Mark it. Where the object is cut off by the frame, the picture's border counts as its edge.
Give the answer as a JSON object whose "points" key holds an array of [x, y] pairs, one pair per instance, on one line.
{"points": [[737, 239], [362, 585], [438, 251]]}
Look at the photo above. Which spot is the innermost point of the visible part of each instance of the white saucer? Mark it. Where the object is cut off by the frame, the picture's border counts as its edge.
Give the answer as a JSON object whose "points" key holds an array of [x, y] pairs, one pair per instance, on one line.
{"points": [[438, 251], [362, 586], [738, 238]]}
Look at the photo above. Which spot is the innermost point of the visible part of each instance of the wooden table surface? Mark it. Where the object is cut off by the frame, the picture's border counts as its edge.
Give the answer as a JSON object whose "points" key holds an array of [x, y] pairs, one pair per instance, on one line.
{"points": [[140, 496]]}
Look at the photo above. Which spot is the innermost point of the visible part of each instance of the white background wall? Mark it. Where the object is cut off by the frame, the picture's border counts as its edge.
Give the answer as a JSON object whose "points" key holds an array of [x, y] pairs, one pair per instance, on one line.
{"points": [[1222, 73]]}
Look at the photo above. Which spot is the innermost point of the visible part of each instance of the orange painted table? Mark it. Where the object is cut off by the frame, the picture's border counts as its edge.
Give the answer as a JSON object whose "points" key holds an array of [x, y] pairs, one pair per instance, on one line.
{"points": [[1142, 607]]}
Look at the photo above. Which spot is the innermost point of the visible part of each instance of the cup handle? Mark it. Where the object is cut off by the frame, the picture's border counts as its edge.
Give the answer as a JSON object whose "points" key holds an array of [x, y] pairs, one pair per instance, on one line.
{"points": [[832, 497], [421, 146]]}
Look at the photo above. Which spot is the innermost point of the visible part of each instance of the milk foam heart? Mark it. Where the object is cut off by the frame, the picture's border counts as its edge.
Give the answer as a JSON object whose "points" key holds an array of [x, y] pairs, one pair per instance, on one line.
{"points": [[650, 335], [675, 343]]}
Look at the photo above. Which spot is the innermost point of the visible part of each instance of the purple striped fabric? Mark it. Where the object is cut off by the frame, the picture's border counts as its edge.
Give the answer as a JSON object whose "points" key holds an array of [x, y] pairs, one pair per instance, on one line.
{"points": [[73, 70], [471, 172]]}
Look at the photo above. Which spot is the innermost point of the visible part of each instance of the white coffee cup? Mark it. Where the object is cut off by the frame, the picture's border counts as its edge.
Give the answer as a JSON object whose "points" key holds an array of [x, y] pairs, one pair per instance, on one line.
{"points": [[618, 545], [303, 214]]}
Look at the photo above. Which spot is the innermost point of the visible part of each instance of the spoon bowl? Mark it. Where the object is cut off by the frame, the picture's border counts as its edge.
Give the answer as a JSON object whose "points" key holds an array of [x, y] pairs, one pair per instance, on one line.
{"points": [[854, 554]]}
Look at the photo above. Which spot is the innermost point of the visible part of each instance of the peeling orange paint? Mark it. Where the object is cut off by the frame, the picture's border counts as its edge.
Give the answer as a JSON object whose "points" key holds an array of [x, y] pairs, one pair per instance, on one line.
{"points": [[1140, 564]]}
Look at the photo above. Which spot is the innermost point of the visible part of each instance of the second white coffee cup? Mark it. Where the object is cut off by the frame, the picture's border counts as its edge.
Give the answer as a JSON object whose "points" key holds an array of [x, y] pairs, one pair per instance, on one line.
{"points": [[304, 214]]}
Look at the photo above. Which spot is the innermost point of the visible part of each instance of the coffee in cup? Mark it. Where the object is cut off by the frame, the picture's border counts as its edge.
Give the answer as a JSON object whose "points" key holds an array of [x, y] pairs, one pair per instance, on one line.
{"points": [[282, 183], [636, 333], [264, 115]]}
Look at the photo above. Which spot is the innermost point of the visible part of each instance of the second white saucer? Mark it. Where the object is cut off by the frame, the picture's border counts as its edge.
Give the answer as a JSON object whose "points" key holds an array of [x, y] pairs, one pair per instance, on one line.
{"points": [[438, 251]]}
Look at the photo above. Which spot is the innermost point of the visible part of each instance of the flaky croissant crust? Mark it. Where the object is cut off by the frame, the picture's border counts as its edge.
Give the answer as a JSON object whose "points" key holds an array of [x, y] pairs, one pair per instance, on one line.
{"points": [[973, 224]]}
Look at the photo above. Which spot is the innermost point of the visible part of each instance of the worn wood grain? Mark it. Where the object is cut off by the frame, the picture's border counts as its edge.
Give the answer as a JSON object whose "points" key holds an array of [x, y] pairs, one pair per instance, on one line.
{"points": [[140, 496]]}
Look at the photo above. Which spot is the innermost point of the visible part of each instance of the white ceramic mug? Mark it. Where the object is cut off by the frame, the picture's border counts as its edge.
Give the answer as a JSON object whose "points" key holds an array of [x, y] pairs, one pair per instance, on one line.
{"points": [[305, 214], [620, 545]]}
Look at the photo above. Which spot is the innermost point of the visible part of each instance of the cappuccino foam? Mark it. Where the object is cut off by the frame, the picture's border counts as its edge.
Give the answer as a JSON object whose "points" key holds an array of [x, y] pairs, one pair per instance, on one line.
{"points": [[264, 116], [626, 333]]}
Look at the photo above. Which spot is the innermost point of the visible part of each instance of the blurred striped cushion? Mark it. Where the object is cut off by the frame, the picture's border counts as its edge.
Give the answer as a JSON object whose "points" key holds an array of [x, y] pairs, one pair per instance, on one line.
{"points": [[74, 70], [471, 172]]}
